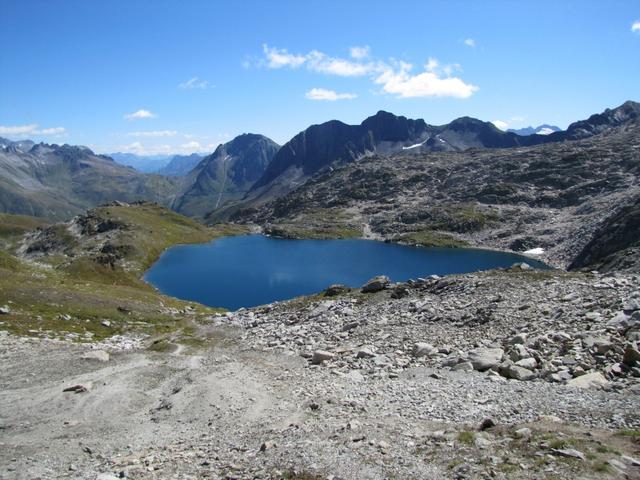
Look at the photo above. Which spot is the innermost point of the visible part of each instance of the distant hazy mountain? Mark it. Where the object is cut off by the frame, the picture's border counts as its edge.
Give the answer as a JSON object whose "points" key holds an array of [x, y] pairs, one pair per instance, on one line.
{"points": [[59, 181], [142, 163], [180, 165], [227, 174], [543, 129]]}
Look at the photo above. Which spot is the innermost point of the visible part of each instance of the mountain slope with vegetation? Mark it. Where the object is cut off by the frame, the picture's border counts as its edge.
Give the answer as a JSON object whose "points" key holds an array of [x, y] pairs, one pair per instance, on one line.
{"points": [[57, 182], [84, 277]]}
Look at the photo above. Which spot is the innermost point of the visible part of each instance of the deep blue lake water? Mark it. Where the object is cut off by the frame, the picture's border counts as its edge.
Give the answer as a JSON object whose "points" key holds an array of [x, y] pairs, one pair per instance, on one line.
{"points": [[252, 270]]}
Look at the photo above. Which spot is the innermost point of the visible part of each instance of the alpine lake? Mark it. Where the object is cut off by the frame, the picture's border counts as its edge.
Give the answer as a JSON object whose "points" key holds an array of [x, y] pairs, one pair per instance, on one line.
{"points": [[246, 271]]}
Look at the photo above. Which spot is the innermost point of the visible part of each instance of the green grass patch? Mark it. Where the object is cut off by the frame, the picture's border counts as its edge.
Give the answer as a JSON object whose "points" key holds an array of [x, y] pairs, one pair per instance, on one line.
{"points": [[629, 433], [319, 224], [467, 437], [12, 226], [429, 238], [602, 467]]}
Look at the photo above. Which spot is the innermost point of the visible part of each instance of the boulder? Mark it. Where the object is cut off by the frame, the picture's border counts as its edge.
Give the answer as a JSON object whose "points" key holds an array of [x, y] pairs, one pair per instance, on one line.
{"points": [[483, 359], [519, 339], [569, 453], [4, 310], [516, 372], [529, 363], [522, 433], [365, 352], [376, 284], [631, 356], [336, 289], [99, 355], [424, 350], [463, 367], [320, 356], [590, 380]]}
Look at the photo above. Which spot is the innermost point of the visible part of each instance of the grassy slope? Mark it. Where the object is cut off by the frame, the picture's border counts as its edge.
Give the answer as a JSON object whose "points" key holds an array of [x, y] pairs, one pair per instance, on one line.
{"points": [[42, 294]]}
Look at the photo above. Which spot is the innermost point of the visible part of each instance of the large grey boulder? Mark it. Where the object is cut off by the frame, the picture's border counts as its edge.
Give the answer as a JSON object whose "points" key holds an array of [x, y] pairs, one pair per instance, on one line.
{"points": [[376, 284], [320, 356], [483, 359], [516, 372], [421, 349], [590, 380]]}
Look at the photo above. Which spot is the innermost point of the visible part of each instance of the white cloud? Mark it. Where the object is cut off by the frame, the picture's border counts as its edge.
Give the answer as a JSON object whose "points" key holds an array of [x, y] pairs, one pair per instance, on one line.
{"points": [[315, 61], [330, 95], [154, 134], [469, 42], [18, 130], [140, 114], [501, 124], [278, 58], [636, 26], [395, 77], [429, 83], [139, 148], [31, 129], [359, 52], [194, 83]]}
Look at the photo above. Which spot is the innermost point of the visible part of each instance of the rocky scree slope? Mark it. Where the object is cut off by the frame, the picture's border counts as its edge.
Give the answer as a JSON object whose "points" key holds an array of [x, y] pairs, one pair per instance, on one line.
{"points": [[577, 200]]}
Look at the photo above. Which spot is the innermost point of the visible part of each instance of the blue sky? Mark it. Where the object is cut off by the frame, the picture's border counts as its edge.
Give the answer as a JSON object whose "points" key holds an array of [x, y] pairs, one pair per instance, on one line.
{"points": [[180, 76]]}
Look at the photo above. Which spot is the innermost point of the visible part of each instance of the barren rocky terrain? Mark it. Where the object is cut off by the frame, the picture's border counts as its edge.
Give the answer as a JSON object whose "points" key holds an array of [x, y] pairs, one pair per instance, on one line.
{"points": [[503, 374]]}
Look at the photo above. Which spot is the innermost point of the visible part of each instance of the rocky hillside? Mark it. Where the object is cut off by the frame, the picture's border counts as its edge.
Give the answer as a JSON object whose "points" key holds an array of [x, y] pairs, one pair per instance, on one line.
{"points": [[335, 143], [57, 182], [558, 197], [226, 174]]}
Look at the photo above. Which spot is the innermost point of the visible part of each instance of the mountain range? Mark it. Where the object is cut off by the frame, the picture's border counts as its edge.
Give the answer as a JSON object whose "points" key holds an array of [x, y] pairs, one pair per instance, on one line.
{"points": [[56, 181], [335, 143], [59, 181]]}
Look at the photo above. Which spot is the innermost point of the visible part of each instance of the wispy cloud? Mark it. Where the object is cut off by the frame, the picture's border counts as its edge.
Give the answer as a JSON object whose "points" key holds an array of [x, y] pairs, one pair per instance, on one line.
{"points": [[195, 83], [31, 129], [359, 52], [315, 61], [396, 78], [329, 95], [636, 26], [469, 42], [278, 58], [153, 134], [139, 115], [139, 148]]}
